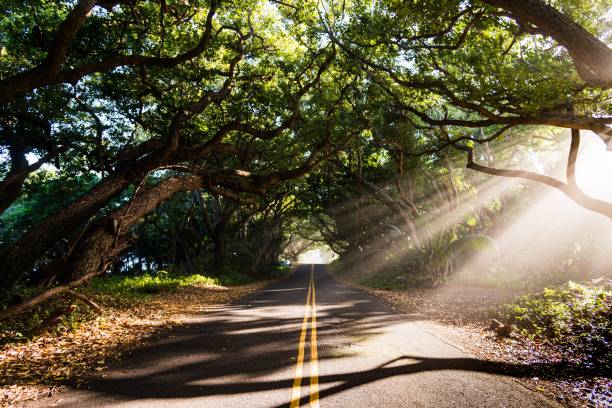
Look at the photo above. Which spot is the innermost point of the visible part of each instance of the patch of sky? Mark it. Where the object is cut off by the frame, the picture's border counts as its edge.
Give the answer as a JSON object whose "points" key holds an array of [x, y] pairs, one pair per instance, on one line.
{"points": [[34, 158]]}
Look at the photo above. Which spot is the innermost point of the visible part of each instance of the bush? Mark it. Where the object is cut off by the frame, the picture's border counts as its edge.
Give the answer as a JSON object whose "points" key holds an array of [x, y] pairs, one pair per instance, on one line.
{"points": [[576, 317]]}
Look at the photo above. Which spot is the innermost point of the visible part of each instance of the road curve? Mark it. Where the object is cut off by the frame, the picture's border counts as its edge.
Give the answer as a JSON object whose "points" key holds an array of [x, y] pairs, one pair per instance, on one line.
{"points": [[305, 341]]}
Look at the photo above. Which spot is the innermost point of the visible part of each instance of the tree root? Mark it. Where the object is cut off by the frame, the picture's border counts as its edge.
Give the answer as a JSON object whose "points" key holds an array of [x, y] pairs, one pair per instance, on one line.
{"points": [[85, 299]]}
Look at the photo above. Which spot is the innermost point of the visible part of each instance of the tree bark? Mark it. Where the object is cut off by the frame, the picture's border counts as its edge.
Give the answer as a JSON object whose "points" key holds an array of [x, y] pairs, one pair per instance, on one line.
{"points": [[10, 190], [106, 240], [572, 157], [97, 250], [24, 253], [592, 57]]}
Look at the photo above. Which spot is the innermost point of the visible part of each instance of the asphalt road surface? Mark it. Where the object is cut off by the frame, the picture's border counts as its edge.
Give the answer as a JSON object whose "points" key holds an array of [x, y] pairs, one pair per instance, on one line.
{"points": [[304, 341]]}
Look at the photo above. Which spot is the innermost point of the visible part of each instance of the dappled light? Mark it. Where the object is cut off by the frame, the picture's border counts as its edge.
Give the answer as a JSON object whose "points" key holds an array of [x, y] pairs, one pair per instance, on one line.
{"points": [[240, 350], [306, 202], [578, 250], [594, 168]]}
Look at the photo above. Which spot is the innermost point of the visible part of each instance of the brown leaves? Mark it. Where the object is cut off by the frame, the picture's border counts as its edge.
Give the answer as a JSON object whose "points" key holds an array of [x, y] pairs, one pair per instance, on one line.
{"points": [[449, 304], [33, 369]]}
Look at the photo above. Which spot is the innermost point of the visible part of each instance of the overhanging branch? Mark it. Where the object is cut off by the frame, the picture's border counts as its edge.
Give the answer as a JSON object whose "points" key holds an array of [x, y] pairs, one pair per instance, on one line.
{"points": [[573, 192]]}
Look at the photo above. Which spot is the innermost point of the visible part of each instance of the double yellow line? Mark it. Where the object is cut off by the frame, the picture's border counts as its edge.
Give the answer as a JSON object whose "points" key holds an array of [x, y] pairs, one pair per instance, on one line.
{"points": [[311, 312]]}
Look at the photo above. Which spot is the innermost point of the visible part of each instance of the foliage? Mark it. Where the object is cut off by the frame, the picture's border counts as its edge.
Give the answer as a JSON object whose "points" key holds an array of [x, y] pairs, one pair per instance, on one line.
{"points": [[75, 352], [126, 287], [575, 316], [210, 137], [44, 192]]}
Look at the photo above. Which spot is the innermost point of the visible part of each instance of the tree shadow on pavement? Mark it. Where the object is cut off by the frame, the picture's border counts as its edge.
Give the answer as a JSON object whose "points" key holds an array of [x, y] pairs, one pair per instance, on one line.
{"points": [[235, 349]]}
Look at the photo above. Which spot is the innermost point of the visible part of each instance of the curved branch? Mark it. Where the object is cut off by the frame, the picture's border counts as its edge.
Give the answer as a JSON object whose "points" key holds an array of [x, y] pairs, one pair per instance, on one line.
{"points": [[592, 57], [574, 193], [572, 157], [26, 81], [49, 71]]}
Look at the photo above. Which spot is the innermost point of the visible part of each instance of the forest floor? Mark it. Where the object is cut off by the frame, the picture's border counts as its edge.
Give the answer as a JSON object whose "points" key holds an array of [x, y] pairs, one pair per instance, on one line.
{"points": [[468, 311], [40, 366]]}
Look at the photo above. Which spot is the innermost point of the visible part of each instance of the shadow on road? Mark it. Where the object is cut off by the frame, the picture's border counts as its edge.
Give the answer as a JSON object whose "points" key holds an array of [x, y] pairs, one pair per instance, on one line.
{"points": [[237, 348]]}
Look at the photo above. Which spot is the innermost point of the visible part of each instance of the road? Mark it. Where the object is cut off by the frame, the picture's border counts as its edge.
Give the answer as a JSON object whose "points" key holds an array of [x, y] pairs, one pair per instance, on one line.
{"points": [[305, 341]]}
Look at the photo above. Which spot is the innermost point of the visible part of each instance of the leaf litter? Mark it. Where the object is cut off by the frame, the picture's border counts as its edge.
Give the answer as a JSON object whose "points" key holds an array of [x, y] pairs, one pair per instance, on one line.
{"points": [[38, 367]]}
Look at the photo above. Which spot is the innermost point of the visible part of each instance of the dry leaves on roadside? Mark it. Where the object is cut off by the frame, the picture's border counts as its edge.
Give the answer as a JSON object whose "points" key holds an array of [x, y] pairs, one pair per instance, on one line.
{"points": [[32, 369], [448, 304]]}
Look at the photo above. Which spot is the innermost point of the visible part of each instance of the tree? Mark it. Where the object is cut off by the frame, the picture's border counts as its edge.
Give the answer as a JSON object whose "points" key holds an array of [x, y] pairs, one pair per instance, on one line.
{"points": [[592, 57], [234, 101], [467, 68], [192, 121]]}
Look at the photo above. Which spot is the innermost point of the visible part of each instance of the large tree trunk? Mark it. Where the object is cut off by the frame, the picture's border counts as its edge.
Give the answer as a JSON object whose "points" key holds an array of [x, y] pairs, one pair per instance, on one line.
{"points": [[107, 239], [12, 184], [22, 255], [593, 58]]}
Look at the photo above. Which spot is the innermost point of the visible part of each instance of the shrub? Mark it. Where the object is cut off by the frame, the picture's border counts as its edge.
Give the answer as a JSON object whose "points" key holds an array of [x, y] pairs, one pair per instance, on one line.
{"points": [[576, 317]]}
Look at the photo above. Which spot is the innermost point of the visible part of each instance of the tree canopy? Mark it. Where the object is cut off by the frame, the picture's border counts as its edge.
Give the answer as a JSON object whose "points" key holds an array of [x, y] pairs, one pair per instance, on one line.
{"points": [[231, 128]]}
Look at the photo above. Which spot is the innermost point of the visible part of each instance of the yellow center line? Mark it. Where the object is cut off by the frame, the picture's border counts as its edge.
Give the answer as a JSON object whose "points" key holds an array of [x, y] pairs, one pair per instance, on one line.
{"points": [[295, 395], [314, 365]]}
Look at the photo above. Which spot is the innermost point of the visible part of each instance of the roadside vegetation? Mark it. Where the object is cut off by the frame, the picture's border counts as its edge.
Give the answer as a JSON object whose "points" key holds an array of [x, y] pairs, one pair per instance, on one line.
{"points": [[566, 325], [115, 292], [577, 318]]}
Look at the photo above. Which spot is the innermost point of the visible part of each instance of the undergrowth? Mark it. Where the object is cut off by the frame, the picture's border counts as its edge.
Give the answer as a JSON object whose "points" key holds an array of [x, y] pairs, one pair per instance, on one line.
{"points": [[122, 287], [576, 317]]}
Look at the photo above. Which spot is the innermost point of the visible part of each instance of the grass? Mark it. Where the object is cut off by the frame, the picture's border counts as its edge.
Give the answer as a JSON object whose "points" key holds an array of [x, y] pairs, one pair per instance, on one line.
{"points": [[135, 287], [140, 286], [135, 308]]}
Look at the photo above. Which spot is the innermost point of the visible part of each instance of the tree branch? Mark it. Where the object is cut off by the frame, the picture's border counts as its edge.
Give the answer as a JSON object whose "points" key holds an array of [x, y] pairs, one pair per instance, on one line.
{"points": [[574, 193], [592, 57], [49, 71], [571, 159]]}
